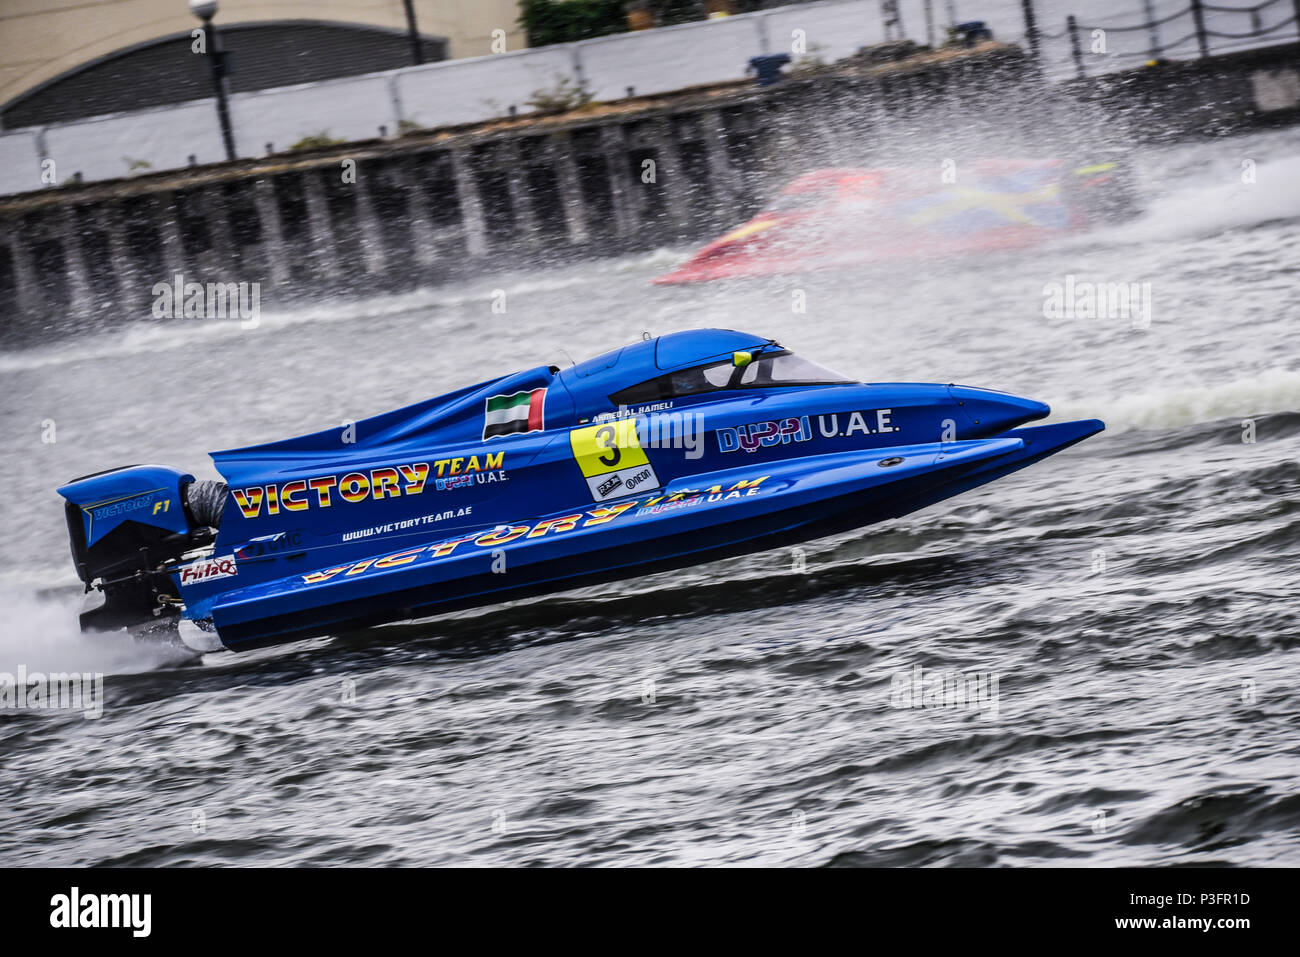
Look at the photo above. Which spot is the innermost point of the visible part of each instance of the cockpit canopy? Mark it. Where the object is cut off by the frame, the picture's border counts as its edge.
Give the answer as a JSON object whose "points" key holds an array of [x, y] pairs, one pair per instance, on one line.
{"points": [[673, 366], [680, 365], [766, 367]]}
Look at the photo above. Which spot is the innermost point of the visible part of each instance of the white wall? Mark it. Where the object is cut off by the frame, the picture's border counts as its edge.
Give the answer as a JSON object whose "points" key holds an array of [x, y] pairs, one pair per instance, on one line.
{"points": [[481, 88], [839, 29], [656, 61], [165, 138], [348, 109], [20, 162]]}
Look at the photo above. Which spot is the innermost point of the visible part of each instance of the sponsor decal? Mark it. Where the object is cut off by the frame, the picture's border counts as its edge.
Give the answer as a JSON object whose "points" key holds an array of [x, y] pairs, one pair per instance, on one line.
{"points": [[208, 569], [475, 478], [753, 436], [407, 523], [688, 498], [504, 534], [662, 507], [640, 478], [856, 423], [353, 487], [268, 546], [612, 460], [121, 506], [514, 414]]}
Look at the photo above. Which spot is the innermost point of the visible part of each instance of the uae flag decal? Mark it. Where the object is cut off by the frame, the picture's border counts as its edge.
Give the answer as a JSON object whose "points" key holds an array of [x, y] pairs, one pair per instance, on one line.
{"points": [[512, 414]]}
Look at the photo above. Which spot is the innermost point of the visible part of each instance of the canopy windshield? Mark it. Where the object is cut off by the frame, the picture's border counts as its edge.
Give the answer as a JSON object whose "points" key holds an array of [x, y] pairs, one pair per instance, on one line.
{"points": [[765, 370]]}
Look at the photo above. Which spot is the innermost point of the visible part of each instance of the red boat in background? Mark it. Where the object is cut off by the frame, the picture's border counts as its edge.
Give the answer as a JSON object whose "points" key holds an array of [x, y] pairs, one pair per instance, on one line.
{"points": [[839, 217]]}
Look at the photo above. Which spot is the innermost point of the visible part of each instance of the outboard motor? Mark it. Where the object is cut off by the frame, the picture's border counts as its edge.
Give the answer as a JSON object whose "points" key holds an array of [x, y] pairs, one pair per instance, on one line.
{"points": [[128, 528]]}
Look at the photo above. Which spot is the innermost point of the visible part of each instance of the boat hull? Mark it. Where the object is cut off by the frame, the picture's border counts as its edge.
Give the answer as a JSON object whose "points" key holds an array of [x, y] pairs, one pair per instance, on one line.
{"points": [[704, 518]]}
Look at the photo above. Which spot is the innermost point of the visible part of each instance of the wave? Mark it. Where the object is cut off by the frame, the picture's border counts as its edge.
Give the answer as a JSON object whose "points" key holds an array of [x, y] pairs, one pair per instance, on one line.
{"points": [[1273, 390], [1207, 208]]}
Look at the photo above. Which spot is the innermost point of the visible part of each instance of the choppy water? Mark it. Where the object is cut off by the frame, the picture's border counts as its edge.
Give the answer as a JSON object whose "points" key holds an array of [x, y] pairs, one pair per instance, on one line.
{"points": [[1136, 596]]}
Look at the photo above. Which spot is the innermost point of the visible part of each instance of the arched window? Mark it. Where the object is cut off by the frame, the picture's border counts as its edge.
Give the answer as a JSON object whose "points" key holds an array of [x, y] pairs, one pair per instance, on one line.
{"points": [[261, 55]]}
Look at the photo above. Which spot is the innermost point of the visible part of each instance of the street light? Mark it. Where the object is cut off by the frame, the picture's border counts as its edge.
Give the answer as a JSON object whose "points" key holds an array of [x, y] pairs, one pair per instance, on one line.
{"points": [[205, 10], [413, 33]]}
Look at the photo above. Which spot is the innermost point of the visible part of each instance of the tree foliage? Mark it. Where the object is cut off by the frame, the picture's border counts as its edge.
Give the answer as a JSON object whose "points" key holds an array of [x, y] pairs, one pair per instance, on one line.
{"points": [[563, 21]]}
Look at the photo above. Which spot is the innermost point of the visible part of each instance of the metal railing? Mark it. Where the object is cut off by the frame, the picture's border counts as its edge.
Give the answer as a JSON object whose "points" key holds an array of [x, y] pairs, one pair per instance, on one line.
{"points": [[1200, 32]]}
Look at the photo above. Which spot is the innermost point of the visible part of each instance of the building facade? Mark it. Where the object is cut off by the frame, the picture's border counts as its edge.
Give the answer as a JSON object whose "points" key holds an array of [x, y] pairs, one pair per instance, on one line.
{"points": [[63, 60]]}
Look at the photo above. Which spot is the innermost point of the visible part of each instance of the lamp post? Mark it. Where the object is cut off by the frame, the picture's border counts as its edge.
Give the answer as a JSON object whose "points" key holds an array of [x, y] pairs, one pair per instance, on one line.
{"points": [[413, 33], [205, 10]]}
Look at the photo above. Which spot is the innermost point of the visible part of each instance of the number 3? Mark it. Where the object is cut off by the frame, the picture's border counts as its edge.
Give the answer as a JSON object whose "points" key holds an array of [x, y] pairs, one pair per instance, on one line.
{"points": [[606, 435]]}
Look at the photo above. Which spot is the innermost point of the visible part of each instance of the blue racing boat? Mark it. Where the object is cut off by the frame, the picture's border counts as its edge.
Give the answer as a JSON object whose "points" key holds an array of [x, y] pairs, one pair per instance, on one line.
{"points": [[673, 451]]}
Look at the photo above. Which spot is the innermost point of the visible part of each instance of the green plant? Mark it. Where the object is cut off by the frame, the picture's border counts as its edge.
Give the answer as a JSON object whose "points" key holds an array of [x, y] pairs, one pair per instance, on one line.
{"points": [[564, 96], [669, 12], [316, 141], [811, 61]]}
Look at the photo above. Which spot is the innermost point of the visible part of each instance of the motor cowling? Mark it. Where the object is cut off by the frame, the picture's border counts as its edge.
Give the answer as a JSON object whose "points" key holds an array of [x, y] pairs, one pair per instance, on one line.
{"points": [[128, 526]]}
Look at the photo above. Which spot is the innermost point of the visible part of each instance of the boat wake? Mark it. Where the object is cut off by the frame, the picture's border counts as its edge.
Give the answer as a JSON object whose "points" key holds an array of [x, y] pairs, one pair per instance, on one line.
{"points": [[41, 634], [1275, 390]]}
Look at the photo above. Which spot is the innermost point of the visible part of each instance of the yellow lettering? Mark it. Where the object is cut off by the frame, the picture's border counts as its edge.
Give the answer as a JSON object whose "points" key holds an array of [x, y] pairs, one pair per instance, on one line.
{"points": [[315, 578], [415, 475], [401, 558], [286, 496], [322, 488], [249, 501], [607, 513], [383, 482], [565, 523]]}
